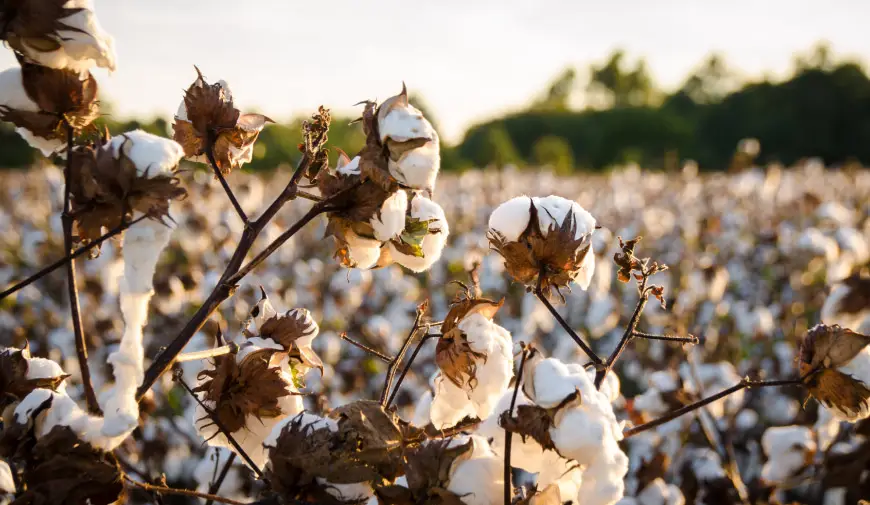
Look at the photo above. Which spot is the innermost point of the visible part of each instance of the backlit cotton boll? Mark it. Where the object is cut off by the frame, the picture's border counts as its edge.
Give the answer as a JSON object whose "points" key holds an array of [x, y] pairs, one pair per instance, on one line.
{"points": [[548, 237], [421, 242], [249, 395], [789, 449], [412, 143], [37, 99], [57, 35], [477, 480], [835, 366], [475, 362], [291, 334]]}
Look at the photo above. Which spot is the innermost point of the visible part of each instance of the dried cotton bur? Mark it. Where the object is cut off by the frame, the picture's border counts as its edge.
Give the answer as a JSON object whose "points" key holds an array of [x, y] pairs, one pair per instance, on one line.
{"points": [[386, 215], [835, 367], [208, 124]]}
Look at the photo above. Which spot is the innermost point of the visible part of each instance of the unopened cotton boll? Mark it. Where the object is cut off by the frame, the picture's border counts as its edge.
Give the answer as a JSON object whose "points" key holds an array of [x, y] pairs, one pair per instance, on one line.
{"points": [[430, 217], [68, 37], [789, 449]]}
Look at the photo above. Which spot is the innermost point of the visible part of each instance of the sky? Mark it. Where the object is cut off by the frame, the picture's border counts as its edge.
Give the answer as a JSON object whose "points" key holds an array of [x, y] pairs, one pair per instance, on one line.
{"points": [[469, 59]]}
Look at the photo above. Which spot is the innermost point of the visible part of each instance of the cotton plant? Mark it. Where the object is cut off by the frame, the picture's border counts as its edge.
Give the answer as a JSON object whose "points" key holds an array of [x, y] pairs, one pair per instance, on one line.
{"points": [[475, 361], [60, 35]]}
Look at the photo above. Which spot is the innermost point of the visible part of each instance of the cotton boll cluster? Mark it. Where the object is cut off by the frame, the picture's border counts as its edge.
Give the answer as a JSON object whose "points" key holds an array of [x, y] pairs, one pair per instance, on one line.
{"points": [[14, 97], [547, 237], [475, 359], [789, 449]]}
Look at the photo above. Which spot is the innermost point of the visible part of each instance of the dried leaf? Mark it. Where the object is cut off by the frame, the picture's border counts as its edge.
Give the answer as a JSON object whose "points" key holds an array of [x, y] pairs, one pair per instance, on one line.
{"points": [[830, 346], [464, 307], [371, 439], [530, 421]]}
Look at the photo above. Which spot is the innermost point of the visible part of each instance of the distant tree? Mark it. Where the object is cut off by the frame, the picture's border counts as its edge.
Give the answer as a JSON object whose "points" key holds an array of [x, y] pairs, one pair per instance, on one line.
{"points": [[620, 86], [554, 152], [711, 82], [558, 95], [496, 147], [820, 57]]}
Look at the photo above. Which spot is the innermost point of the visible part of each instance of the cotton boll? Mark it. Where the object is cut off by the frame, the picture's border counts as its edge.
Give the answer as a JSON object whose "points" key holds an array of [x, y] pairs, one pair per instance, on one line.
{"points": [[418, 168], [511, 218], [7, 483], [526, 454], [390, 221], [362, 252], [404, 123], [551, 381], [566, 474], [83, 42], [151, 154], [552, 211], [658, 492], [603, 480], [424, 209], [789, 448], [14, 96], [422, 410], [450, 404], [478, 480], [41, 368]]}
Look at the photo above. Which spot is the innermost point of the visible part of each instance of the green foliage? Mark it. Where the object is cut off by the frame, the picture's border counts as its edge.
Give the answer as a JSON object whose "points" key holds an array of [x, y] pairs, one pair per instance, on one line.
{"points": [[555, 152]]}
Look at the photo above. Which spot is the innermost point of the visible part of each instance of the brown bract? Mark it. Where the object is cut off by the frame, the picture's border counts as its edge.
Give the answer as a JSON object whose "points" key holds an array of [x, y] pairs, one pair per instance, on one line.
{"points": [[535, 422], [366, 447], [427, 470], [34, 24], [238, 390], [63, 96], [456, 359], [213, 122], [106, 190], [824, 349], [14, 384], [287, 328], [63, 470], [556, 256]]}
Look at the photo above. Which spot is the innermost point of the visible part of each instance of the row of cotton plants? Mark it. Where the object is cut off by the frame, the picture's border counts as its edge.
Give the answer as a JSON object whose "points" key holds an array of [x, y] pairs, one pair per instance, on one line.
{"points": [[381, 387]]}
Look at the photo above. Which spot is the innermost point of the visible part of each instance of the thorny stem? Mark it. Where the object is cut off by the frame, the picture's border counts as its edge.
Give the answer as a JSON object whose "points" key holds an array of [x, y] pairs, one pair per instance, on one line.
{"points": [[508, 435], [408, 367], [241, 452], [691, 339], [182, 492], [743, 384], [209, 152], [208, 353], [216, 484], [583, 345], [224, 288], [75, 254], [360, 345], [72, 287], [391, 368]]}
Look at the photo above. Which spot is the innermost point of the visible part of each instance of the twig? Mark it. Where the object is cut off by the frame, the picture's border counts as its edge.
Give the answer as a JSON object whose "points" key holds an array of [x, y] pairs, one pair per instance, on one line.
{"points": [[225, 288], [360, 345], [583, 345], [408, 367], [72, 287], [308, 196], [626, 337], [182, 492], [743, 384], [391, 368], [223, 429], [208, 353], [209, 152], [75, 254], [216, 484], [691, 339], [508, 435]]}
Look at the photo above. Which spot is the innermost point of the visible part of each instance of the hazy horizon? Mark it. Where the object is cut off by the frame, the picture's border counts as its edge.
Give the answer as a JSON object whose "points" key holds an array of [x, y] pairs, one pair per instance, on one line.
{"points": [[469, 61]]}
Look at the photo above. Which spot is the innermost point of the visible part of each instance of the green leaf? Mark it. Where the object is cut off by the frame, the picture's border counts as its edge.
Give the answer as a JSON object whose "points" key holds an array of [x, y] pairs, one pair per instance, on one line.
{"points": [[412, 236]]}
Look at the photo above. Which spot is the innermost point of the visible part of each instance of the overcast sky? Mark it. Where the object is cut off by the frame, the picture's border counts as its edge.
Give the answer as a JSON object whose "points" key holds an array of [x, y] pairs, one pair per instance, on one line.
{"points": [[469, 59]]}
